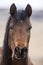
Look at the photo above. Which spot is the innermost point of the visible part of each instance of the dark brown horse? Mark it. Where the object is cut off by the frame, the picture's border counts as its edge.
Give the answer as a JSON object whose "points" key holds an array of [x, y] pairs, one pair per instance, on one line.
{"points": [[17, 36]]}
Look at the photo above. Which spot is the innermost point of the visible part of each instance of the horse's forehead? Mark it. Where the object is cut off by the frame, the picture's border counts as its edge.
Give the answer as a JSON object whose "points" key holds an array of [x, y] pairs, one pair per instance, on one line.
{"points": [[20, 16]]}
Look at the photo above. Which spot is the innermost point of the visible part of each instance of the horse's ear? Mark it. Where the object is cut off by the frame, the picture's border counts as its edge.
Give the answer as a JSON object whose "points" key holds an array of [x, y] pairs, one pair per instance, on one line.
{"points": [[13, 9], [28, 10]]}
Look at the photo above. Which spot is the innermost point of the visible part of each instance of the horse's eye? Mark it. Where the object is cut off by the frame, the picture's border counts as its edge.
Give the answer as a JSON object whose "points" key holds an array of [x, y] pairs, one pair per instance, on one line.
{"points": [[28, 28], [11, 26], [11, 29]]}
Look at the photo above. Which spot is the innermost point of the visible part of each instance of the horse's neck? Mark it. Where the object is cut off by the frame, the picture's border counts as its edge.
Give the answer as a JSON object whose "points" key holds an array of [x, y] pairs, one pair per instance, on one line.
{"points": [[21, 62]]}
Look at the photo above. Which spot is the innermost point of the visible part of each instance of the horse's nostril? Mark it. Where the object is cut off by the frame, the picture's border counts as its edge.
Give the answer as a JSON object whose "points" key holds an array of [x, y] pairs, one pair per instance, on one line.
{"points": [[24, 50], [17, 51]]}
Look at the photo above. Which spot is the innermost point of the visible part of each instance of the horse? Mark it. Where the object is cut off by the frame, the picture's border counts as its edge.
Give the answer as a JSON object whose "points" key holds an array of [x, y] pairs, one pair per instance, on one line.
{"points": [[17, 36]]}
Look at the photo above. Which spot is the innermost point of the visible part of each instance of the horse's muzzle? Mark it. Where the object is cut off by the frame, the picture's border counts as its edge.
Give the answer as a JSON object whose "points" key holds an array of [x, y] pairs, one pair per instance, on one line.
{"points": [[20, 53]]}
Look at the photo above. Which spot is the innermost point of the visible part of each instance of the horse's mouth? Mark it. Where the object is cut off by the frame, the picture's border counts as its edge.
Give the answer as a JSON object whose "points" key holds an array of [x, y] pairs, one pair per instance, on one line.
{"points": [[20, 57]]}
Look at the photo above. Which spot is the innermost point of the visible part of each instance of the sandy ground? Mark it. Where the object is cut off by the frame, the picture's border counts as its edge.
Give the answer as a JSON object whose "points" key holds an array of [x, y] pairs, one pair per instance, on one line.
{"points": [[36, 41]]}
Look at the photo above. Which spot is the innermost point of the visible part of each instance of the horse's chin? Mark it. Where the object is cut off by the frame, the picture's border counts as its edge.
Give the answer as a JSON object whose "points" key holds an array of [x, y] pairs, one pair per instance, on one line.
{"points": [[20, 58]]}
